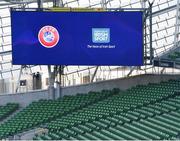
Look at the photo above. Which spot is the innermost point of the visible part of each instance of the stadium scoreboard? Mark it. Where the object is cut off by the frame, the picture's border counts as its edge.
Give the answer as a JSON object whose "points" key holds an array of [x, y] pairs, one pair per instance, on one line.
{"points": [[77, 38]]}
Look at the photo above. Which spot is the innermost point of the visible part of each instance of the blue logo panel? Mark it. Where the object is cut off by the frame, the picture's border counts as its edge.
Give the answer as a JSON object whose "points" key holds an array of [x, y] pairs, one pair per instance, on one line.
{"points": [[77, 38], [100, 35]]}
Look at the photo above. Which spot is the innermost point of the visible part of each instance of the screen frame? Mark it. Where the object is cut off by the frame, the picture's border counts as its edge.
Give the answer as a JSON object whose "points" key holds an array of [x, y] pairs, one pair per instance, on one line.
{"points": [[144, 18]]}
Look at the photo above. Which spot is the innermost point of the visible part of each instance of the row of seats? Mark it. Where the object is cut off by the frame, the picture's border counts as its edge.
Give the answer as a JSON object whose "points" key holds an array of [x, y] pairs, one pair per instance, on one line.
{"points": [[156, 127], [7, 110], [125, 116], [175, 55], [43, 111]]}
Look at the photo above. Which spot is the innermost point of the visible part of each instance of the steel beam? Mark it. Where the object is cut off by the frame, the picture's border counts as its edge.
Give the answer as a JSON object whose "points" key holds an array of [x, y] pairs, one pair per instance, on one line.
{"points": [[94, 74], [19, 78]]}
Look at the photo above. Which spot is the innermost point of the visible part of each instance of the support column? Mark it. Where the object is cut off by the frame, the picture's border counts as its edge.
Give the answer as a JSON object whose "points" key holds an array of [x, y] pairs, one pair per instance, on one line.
{"points": [[51, 89], [40, 3], [176, 36], [94, 74], [150, 32], [19, 78], [59, 3], [59, 88], [104, 5], [58, 69]]}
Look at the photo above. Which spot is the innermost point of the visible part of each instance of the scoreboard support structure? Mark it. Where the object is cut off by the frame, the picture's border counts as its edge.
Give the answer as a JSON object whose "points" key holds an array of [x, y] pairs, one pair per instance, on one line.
{"points": [[53, 75]]}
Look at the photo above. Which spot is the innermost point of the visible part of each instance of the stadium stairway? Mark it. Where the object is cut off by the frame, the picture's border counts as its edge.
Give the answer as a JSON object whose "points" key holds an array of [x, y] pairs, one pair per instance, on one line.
{"points": [[11, 115], [43, 111], [7, 110], [142, 112]]}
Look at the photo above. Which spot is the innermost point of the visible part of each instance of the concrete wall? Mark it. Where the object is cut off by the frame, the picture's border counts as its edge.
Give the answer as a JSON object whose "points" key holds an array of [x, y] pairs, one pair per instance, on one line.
{"points": [[23, 98], [123, 83]]}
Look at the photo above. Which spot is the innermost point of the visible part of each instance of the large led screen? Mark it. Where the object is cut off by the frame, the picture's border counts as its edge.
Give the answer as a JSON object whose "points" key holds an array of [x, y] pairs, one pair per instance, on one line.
{"points": [[77, 38]]}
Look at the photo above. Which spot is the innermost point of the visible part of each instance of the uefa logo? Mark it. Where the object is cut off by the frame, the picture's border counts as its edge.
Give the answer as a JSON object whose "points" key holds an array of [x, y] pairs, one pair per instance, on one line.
{"points": [[48, 36]]}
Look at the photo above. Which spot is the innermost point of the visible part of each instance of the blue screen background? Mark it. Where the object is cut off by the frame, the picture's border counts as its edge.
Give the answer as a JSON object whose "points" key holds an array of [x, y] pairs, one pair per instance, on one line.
{"points": [[75, 30]]}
